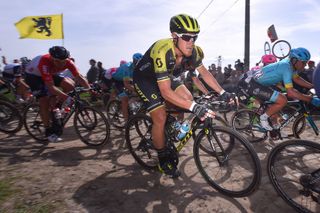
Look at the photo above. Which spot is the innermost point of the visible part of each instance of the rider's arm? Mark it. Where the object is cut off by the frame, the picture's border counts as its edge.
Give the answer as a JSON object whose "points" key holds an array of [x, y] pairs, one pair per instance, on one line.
{"points": [[82, 81], [168, 94], [209, 79], [55, 90], [199, 85], [293, 93], [301, 82]]}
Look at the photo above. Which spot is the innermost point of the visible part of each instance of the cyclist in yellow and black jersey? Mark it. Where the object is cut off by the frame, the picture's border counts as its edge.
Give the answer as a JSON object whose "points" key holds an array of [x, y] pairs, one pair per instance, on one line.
{"points": [[156, 79]]}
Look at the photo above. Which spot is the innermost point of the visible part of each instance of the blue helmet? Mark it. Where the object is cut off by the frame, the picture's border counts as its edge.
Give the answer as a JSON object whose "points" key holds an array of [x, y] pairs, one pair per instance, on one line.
{"points": [[300, 53], [136, 57]]}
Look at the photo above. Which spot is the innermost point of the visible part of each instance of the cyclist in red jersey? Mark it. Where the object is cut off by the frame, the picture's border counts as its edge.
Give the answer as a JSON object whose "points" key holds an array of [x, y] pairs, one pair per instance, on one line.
{"points": [[44, 81]]}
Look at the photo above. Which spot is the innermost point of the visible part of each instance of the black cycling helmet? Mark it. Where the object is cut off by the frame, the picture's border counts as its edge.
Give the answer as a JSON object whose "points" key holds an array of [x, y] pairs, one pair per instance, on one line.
{"points": [[59, 52], [184, 23]]}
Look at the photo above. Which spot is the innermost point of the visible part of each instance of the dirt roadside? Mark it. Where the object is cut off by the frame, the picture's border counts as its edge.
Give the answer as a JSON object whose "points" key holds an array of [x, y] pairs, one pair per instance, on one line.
{"points": [[70, 177]]}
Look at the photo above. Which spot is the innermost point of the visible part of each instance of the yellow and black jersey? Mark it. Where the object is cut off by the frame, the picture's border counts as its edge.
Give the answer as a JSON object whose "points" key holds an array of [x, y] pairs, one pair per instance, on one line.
{"points": [[160, 62]]}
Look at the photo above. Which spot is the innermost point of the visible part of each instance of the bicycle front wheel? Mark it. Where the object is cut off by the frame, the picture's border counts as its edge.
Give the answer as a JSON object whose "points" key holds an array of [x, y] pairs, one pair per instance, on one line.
{"points": [[247, 122], [304, 129], [91, 126], [115, 115], [234, 172], [33, 122], [139, 141], [10, 118], [287, 163]]}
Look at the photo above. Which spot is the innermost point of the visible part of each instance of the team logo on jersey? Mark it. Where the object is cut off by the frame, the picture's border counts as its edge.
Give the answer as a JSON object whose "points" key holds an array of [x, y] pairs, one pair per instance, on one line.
{"points": [[159, 62], [154, 96], [43, 25]]}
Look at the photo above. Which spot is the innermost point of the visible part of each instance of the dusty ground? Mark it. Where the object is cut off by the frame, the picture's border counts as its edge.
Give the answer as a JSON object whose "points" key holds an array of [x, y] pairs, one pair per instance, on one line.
{"points": [[70, 177]]}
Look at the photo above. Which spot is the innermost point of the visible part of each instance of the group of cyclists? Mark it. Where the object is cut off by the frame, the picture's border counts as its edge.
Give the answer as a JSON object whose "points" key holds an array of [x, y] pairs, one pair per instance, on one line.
{"points": [[156, 78]]}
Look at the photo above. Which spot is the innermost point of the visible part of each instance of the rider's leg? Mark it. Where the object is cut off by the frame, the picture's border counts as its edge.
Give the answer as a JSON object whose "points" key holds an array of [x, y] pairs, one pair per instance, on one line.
{"points": [[67, 85], [167, 157], [124, 106], [23, 89], [280, 101], [158, 117]]}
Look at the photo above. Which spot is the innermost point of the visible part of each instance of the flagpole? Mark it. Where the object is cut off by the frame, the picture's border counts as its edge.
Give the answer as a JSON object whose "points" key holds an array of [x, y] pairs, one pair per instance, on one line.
{"points": [[62, 29]]}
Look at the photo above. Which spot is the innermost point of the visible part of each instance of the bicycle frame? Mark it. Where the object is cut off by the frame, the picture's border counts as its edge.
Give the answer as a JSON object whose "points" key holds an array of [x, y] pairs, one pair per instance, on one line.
{"points": [[300, 109]]}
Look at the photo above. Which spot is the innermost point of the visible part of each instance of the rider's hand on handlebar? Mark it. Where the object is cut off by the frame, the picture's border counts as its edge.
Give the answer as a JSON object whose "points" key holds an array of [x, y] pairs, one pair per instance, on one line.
{"points": [[230, 98], [201, 111]]}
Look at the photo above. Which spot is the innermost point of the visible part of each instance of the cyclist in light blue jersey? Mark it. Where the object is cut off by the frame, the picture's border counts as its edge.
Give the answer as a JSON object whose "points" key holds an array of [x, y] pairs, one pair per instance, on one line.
{"points": [[259, 83], [122, 79]]}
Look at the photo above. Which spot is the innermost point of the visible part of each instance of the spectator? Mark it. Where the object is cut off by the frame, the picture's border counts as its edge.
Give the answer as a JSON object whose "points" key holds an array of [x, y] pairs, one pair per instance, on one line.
{"points": [[239, 65], [92, 74], [101, 70], [310, 70]]}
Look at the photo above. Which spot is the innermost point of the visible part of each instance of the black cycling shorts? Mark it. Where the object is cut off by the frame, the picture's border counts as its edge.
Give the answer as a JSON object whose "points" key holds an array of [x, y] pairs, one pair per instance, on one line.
{"points": [[38, 87], [255, 89], [149, 91]]}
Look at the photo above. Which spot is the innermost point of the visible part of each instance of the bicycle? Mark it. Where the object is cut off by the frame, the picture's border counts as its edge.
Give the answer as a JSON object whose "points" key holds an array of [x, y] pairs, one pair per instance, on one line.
{"points": [[280, 49], [294, 171], [224, 158], [247, 121], [114, 112], [90, 124], [10, 118]]}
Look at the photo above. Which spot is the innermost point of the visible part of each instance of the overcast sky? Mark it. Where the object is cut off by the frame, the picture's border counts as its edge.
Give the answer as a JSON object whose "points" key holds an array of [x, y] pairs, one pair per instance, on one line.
{"points": [[112, 30]]}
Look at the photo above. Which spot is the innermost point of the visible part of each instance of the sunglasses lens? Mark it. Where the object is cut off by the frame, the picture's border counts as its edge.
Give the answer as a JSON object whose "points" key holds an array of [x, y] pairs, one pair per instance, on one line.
{"points": [[186, 37]]}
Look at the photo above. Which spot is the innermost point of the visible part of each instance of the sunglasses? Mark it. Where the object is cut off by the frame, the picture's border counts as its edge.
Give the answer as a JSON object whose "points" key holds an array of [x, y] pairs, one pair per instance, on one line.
{"points": [[188, 37]]}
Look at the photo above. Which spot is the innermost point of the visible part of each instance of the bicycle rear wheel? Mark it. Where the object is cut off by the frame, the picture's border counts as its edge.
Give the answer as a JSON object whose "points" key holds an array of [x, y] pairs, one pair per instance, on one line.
{"points": [[33, 122], [114, 114], [287, 163], [234, 172], [91, 126], [10, 118], [139, 141], [247, 122]]}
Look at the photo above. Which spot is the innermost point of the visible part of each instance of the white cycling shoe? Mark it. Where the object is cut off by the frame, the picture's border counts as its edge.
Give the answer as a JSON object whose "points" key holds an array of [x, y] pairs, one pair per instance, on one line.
{"points": [[54, 138], [265, 124]]}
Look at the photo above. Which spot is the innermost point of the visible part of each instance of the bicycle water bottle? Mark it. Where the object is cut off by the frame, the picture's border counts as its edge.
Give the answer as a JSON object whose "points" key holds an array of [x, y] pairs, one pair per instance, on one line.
{"points": [[184, 129], [57, 113]]}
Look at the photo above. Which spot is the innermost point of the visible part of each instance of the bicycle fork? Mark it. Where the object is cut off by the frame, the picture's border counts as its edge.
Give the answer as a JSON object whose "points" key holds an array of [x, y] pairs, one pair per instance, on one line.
{"points": [[312, 124], [217, 149]]}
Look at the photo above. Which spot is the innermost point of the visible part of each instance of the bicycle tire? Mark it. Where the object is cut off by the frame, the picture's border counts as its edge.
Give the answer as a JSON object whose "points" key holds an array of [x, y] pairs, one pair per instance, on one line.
{"points": [[280, 45], [279, 168], [91, 126], [238, 167], [114, 114], [139, 141], [301, 126], [33, 123], [10, 118], [217, 121], [246, 121]]}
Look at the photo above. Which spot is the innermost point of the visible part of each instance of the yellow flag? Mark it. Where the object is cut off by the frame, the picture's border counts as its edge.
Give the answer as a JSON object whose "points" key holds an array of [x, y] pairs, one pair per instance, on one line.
{"points": [[41, 27]]}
